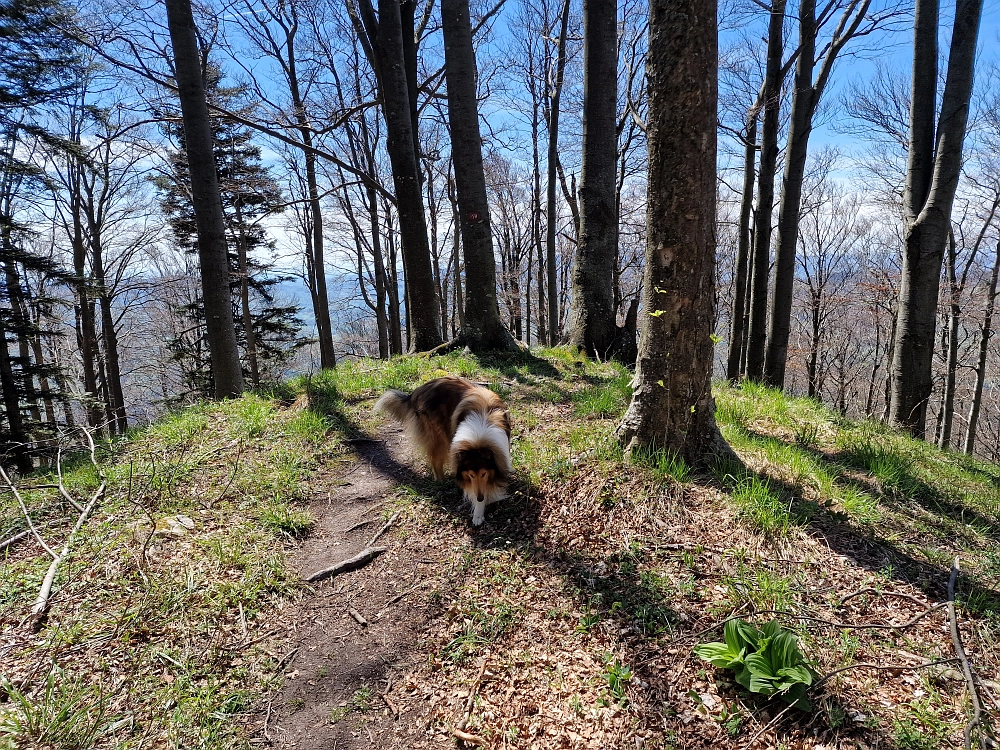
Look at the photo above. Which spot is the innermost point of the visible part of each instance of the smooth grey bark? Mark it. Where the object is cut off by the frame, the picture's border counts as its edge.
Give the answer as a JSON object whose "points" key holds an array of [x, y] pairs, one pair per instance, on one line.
{"points": [[108, 331], [382, 42], [482, 328], [984, 346], [86, 330], [956, 288], [933, 167], [672, 408], [592, 326], [951, 363], [206, 201], [550, 190], [771, 96], [737, 329], [805, 99]]}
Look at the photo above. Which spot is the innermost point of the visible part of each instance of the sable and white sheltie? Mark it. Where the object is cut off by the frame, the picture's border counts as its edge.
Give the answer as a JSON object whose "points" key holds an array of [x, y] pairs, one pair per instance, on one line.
{"points": [[462, 425]]}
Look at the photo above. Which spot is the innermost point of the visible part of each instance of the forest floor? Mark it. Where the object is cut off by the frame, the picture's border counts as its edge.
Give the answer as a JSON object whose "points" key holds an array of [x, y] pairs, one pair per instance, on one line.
{"points": [[568, 620]]}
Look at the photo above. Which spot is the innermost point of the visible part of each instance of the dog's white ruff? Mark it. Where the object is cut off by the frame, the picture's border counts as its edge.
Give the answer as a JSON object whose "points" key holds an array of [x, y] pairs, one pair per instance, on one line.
{"points": [[476, 430]]}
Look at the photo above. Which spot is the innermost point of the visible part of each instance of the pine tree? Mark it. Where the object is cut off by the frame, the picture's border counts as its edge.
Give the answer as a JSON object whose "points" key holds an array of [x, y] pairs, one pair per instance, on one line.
{"points": [[268, 333], [37, 66]]}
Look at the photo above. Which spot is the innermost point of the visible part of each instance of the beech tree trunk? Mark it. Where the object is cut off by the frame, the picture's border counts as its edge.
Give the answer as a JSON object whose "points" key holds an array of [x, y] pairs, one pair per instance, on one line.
{"points": [[315, 243], [672, 407], [933, 168], [383, 42], [482, 328], [592, 326], [805, 99], [984, 347], [207, 202], [771, 96], [737, 330], [550, 192]]}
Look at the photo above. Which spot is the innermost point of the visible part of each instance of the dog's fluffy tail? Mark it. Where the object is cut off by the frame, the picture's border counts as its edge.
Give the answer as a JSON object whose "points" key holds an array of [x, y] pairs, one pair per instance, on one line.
{"points": [[395, 404]]}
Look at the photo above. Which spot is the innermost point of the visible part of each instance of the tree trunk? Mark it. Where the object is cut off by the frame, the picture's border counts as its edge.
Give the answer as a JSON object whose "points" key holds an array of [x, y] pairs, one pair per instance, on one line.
{"points": [[931, 181], [483, 329], [551, 218], [672, 407], [108, 332], [207, 202], [805, 99], [812, 368], [771, 96], [16, 435], [951, 364], [388, 55], [592, 325], [737, 335], [797, 150], [315, 244], [984, 348], [86, 330]]}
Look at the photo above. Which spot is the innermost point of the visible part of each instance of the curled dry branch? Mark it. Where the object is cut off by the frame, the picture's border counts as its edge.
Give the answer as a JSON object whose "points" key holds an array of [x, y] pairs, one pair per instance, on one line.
{"points": [[42, 601], [977, 722]]}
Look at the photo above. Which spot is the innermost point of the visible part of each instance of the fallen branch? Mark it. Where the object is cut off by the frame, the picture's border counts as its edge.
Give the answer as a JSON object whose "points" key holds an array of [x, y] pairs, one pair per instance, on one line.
{"points": [[361, 559], [876, 592], [472, 698], [42, 602], [21, 535], [470, 739], [24, 510], [820, 621], [358, 617], [985, 737], [885, 667], [384, 528]]}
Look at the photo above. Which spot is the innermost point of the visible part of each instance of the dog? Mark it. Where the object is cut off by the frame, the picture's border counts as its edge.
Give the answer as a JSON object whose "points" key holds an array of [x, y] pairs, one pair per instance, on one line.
{"points": [[463, 426]]}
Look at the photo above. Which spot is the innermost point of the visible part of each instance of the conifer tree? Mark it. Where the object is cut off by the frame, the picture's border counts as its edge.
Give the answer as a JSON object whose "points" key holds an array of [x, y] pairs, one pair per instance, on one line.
{"points": [[37, 65], [268, 333]]}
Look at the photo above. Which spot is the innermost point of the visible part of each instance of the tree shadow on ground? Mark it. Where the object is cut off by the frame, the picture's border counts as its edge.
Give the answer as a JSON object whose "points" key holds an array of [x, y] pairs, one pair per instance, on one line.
{"points": [[863, 544]]}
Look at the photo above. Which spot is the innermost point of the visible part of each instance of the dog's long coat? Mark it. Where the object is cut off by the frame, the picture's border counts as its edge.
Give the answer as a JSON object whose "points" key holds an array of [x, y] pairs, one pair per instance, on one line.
{"points": [[462, 426]]}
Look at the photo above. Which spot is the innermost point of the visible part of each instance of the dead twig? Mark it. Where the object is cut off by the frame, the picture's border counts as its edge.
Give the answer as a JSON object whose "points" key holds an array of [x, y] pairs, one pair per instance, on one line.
{"points": [[469, 739], [399, 596], [883, 667], [384, 528], [985, 734], [876, 592], [820, 621], [361, 559], [42, 601], [771, 724], [472, 698], [390, 704], [24, 510], [358, 617]]}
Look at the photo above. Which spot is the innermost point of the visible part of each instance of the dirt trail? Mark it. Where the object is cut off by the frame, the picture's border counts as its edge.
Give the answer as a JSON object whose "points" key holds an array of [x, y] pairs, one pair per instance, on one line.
{"points": [[339, 669]]}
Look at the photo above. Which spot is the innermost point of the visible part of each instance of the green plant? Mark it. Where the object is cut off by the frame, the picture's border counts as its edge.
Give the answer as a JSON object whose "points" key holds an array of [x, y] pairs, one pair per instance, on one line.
{"points": [[766, 661], [283, 518], [807, 434], [617, 675], [762, 506]]}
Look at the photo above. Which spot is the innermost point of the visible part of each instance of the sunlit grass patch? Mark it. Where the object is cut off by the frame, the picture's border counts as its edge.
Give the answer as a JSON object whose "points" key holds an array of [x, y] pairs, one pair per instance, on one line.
{"points": [[663, 464], [609, 398], [282, 517], [762, 506]]}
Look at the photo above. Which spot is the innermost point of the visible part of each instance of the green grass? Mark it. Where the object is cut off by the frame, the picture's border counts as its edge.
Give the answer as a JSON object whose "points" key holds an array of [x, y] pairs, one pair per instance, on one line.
{"points": [[761, 506], [159, 607]]}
